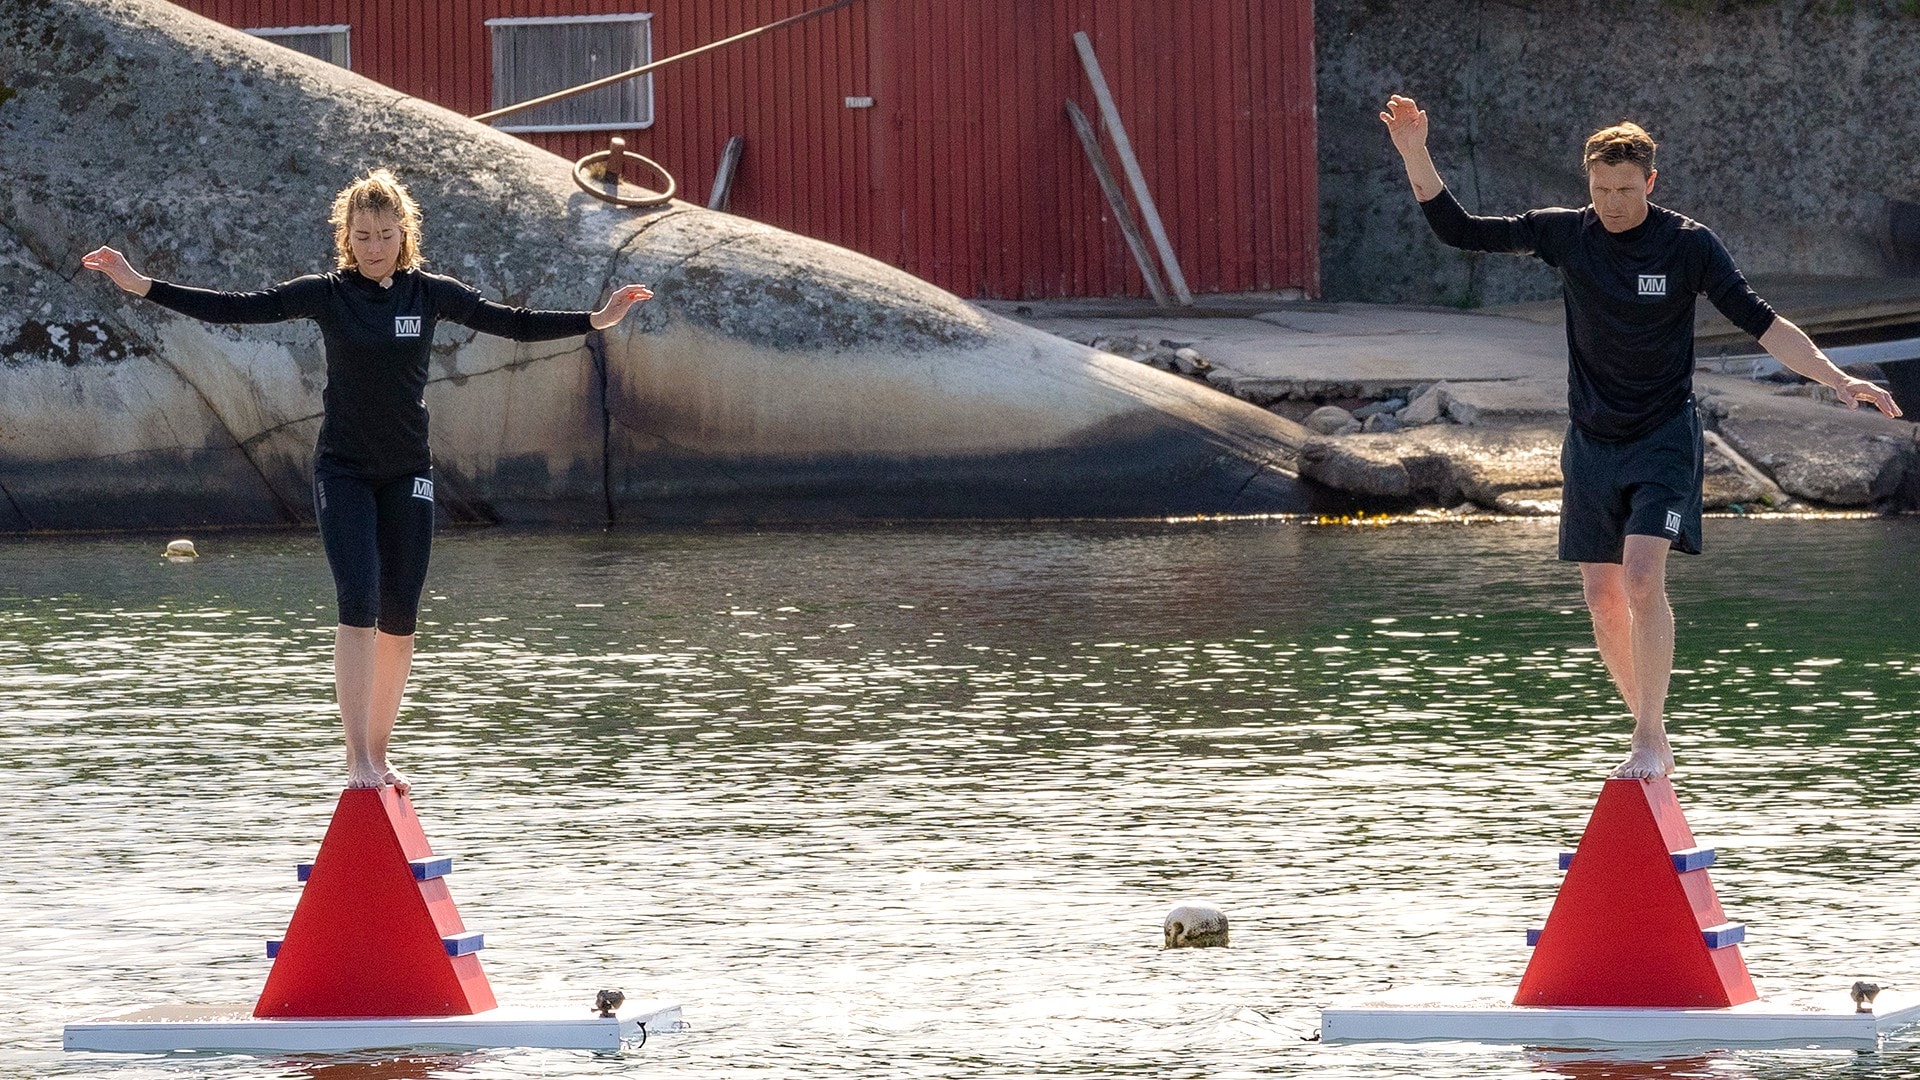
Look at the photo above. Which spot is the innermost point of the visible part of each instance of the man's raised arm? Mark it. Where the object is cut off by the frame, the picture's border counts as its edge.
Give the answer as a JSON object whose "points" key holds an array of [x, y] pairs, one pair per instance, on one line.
{"points": [[1407, 127]]}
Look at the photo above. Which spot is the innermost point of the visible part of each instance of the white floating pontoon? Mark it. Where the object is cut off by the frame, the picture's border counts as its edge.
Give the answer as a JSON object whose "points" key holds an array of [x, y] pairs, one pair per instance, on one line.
{"points": [[1488, 1015], [162, 1028]]}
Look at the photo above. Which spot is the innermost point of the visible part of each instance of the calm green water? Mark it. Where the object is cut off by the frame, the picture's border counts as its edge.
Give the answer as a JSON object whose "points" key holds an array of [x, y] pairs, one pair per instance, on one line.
{"points": [[913, 802]]}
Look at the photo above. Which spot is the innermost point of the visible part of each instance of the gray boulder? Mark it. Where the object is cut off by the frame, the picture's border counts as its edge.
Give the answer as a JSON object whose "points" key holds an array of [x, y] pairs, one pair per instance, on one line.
{"points": [[1505, 469], [1331, 420], [1368, 466], [1427, 406], [1730, 480], [1817, 451], [1439, 465]]}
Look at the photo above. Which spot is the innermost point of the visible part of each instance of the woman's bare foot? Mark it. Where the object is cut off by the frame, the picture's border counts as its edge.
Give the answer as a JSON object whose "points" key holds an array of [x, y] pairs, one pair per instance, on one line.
{"points": [[1646, 762], [363, 776], [391, 776]]}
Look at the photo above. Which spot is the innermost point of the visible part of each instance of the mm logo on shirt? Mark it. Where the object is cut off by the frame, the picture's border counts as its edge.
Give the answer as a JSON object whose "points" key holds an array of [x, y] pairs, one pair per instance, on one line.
{"points": [[1653, 284], [409, 325], [423, 488]]}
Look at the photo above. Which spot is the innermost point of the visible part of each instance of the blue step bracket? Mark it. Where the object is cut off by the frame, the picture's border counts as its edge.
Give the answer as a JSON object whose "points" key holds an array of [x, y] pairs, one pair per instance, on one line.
{"points": [[458, 945], [1717, 937], [432, 866], [1729, 933], [1693, 858]]}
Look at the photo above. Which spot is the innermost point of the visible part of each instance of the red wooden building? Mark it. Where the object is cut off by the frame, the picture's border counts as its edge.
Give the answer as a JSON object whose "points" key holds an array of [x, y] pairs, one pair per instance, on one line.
{"points": [[929, 134]]}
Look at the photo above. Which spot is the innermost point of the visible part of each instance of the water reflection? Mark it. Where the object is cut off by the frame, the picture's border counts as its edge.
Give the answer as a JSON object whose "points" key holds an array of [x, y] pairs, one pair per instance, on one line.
{"points": [[912, 801], [1586, 1065]]}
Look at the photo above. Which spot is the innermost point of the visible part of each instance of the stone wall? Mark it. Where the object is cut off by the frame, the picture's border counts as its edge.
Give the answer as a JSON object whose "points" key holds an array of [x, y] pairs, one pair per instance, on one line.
{"points": [[1780, 125]]}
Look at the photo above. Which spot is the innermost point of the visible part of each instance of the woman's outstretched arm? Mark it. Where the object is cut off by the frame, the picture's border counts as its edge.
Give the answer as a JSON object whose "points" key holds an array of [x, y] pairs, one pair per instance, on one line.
{"points": [[616, 306], [462, 303], [288, 300], [115, 265]]}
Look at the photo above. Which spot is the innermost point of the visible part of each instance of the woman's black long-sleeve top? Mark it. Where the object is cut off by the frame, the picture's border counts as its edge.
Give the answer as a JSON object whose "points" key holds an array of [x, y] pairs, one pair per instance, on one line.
{"points": [[378, 340]]}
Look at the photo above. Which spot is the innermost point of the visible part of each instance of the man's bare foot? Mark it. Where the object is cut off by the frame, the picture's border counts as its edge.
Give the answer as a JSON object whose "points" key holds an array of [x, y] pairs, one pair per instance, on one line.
{"points": [[363, 776], [1646, 762], [391, 776]]}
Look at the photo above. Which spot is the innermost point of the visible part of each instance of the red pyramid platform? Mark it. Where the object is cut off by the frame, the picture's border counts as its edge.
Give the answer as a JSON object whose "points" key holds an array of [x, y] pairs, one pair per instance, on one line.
{"points": [[375, 933], [1636, 922]]}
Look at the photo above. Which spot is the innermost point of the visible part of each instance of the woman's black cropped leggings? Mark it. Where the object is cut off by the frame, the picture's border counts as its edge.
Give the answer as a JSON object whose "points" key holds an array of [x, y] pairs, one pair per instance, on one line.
{"points": [[377, 535]]}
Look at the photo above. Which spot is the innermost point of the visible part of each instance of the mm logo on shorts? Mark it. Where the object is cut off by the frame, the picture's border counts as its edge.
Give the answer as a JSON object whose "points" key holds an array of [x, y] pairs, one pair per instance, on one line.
{"points": [[1673, 520], [1653, 284], [423, 488], [409, 325]]}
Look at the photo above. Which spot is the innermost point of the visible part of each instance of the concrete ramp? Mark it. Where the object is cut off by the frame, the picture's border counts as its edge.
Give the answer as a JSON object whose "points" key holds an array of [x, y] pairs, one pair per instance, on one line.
{"points": [[774, 378]]}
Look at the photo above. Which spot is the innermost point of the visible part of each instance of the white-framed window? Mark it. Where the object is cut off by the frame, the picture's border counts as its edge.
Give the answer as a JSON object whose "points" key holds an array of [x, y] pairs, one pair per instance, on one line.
{"points": [[536, 56], [329, 43]]}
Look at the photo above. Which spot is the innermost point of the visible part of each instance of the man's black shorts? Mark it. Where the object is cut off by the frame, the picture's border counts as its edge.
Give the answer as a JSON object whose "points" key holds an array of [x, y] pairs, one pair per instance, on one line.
{"points": [[1648, 486]]}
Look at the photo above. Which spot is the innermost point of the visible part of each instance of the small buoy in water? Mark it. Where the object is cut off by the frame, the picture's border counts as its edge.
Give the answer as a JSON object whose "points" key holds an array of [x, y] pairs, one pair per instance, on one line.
{"points": [[181, 549], [1193, 924]]}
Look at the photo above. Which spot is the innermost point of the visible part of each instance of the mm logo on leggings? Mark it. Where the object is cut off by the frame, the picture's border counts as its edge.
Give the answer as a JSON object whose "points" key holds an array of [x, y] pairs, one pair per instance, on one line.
{"points": [[423, 488]]}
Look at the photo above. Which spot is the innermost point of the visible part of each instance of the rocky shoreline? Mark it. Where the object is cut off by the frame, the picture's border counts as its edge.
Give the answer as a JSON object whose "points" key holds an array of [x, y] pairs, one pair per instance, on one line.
{"points": [[1774, 444]]}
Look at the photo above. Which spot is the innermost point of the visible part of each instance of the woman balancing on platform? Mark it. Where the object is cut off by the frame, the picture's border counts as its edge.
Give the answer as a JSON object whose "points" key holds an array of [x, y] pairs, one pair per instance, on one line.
{"points": [[373, 474]]}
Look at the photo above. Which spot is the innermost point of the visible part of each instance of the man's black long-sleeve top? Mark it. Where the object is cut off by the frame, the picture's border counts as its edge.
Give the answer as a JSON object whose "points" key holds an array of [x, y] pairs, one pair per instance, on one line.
{"points": [[377, 345], [1629, 300]]}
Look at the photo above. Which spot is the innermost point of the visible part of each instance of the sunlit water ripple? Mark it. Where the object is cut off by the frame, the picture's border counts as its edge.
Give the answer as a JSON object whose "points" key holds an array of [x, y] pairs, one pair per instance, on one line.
{"points": [[913, 801]]}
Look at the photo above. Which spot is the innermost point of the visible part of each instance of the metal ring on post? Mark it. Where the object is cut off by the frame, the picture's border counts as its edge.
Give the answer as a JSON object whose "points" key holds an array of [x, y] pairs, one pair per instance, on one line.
{"points": [[598, 191]]}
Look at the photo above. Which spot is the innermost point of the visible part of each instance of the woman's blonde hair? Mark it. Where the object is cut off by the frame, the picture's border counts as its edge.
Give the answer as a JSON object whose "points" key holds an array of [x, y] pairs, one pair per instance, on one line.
{"points": [[379, 191]]}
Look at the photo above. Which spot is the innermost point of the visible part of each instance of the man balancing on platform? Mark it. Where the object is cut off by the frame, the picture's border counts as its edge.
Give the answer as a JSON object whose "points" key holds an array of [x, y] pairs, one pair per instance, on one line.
{"points": [[1632, 459]]}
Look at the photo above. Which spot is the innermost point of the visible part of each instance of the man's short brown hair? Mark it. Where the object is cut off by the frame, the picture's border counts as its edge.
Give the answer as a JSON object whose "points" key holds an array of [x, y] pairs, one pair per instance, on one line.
{"points": [[1625, 141]]}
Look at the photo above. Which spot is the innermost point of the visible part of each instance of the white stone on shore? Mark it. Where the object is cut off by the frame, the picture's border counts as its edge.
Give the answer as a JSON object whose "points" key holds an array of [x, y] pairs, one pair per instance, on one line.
{"points": [[1187, 361], [1427, 407], [1331, 420]]}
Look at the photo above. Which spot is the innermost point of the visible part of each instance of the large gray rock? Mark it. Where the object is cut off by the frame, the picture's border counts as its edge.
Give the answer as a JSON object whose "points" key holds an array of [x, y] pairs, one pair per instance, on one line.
{"points": [[1731, 481], [1815, 450], [774, 377], [1440, 465], [1368, 466], [1503, 469], [1427, 407]]}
